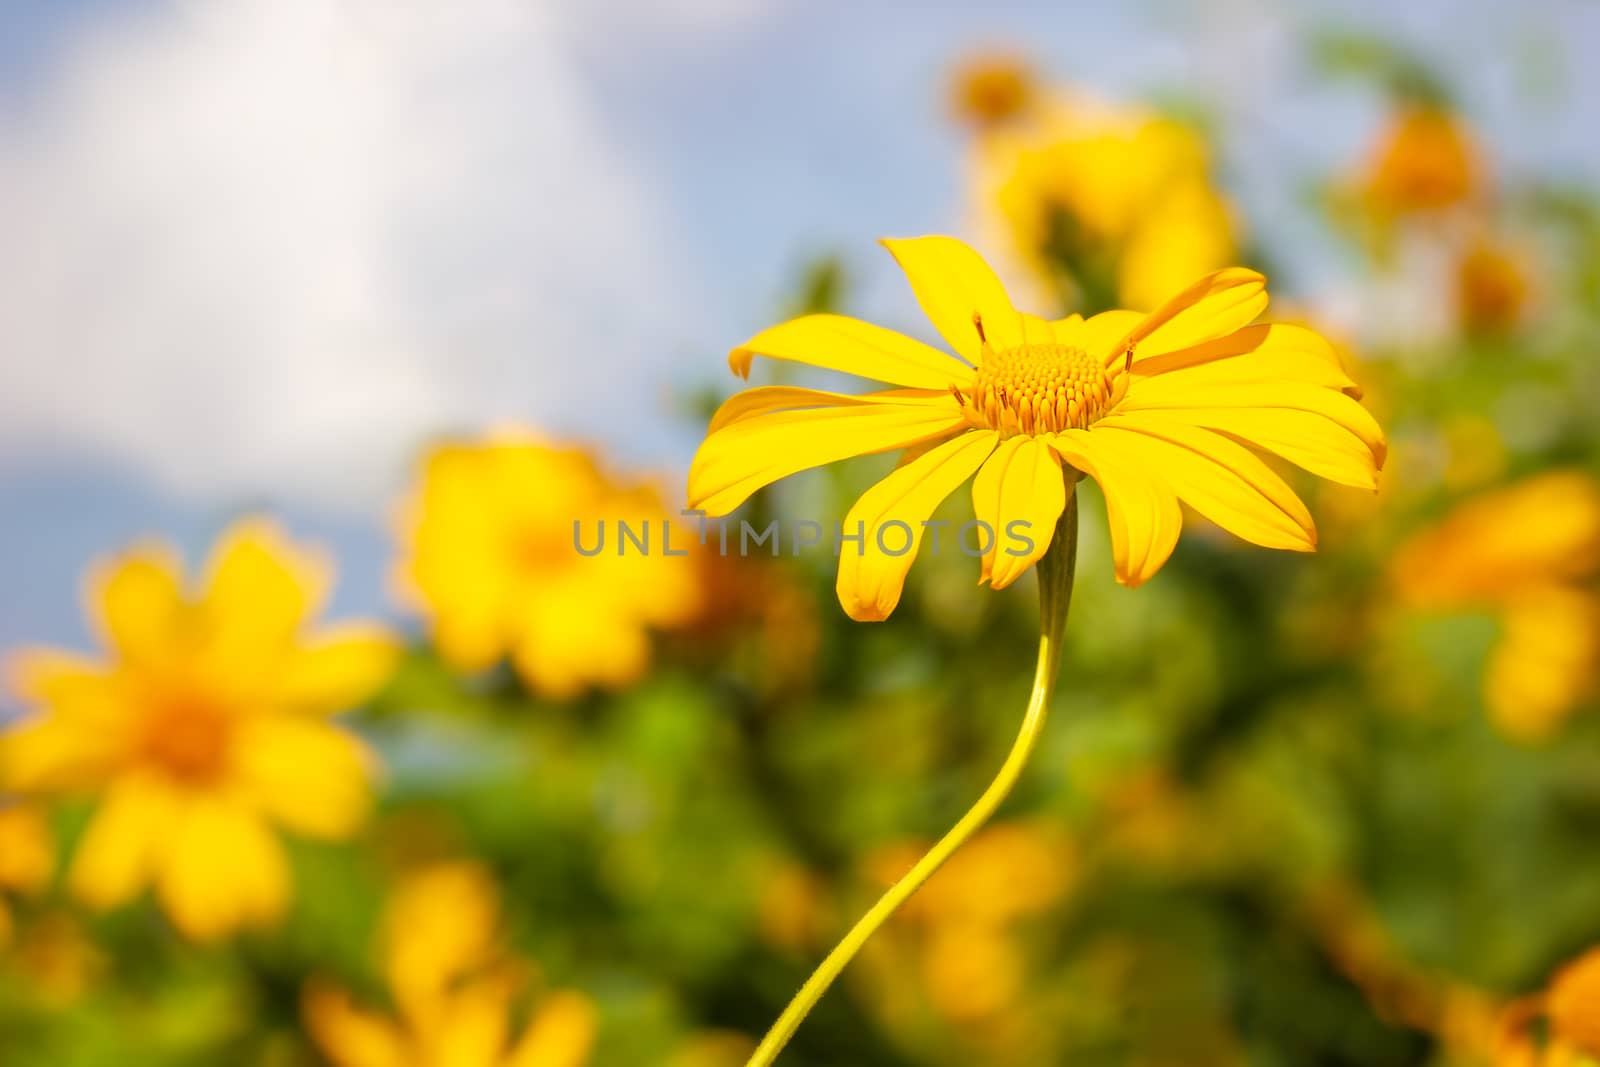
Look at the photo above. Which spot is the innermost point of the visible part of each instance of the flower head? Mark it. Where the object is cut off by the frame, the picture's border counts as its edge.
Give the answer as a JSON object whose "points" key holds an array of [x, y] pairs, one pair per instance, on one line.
{"points": [[492, 556], [1153, 407], [1425, 161], [1120, 199], [204, 728], [454, 989]]}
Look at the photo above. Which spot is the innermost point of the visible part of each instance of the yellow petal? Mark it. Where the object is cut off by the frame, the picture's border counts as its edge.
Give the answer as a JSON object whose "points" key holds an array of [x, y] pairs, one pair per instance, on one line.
{"points": [[339, 667], [836, 342], [956, 287], [125, 842], [136, 601], [222, 870], [307, 774], [1100, 335], [27, 848], [1212, 307], [349, 1036], [81, 732], [473, 1026], [1307, 440], [1022, 483], [1256, 355], [1141, 509], [763, 399], [737, 460], [440, 926], [561, 1033], [260, 589], [1219, 478], [1171, 392], [870, 578], [563, 648]]}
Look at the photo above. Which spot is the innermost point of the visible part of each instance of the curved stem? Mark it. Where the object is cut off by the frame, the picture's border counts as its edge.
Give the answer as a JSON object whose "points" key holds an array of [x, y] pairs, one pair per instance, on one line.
{"points": [[1056, 570]]}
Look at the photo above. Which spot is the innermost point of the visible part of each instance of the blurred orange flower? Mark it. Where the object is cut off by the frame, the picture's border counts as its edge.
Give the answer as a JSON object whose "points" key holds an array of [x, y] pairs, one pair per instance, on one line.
{"points": [[1120, 199], [454, 990], [1492, 285], [1424, 161], [1570, 1011], [990, 88], [1530, 554], [1152, 406], [491, 557], [207, 725]]}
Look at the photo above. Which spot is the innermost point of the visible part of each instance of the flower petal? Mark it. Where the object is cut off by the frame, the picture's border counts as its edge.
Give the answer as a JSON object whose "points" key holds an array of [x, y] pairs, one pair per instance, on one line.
{"points": [[1307, 440], [307, 774], [339, 667], [136, 602], [1264, 354], [560, 1034], [1141, 509], [1219, 478], [870, 578], [222, 869], [955, 287], [735, 461], [1212, 307], [1021, 482], [123, 847], [837, 342], [1172, 393], [349, 1035], [767, 398], [260, 589]]}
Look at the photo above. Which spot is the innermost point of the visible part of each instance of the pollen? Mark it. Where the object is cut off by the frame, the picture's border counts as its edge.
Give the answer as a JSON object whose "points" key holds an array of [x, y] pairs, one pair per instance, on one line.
{"points": [[1037, 389]]}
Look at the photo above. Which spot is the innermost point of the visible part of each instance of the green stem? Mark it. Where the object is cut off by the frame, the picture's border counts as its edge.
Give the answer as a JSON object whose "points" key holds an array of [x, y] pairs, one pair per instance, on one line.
{"points": [[1056, 570]]}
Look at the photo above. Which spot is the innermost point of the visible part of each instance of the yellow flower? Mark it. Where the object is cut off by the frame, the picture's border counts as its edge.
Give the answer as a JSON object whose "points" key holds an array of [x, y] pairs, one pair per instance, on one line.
{"points": [[1153, 407], [454, 991], [1529, 554], [492, 537], [1424, 161], [1119, 198], [205, 728], [991, 88]]}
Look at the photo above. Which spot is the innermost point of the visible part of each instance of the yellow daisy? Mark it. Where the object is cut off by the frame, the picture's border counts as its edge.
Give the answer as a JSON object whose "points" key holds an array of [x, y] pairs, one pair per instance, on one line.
{"points": [[456, 992], [491, 555], [1158, 408], [205, 727]]}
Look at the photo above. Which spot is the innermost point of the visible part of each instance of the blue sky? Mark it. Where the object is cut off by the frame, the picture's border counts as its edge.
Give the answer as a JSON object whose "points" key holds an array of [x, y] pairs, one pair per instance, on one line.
{"points": [[261, 251]]}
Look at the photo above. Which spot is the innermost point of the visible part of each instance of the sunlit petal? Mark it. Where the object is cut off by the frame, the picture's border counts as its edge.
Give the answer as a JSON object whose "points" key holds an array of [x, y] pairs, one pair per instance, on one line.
{"points": [[1019, 493], [839, 343]]}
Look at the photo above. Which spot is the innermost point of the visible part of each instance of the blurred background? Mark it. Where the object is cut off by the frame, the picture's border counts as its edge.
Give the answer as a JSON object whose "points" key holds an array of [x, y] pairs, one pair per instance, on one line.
{"points": [[321, 312]]}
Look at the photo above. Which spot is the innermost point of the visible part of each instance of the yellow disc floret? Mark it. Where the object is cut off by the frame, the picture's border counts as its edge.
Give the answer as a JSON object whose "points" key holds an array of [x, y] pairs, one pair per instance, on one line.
{"points": [[1036, 389]]}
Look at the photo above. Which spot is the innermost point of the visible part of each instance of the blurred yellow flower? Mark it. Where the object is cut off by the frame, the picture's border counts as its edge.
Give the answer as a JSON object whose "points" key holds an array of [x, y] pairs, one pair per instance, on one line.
{"points": [[206, 727], [1530, 554], [456, 993], [27, 856], [972, 961], [991, 88], [491, 557], [1424, 161], [1120, 199], [1153, 407], [1492, 283]]}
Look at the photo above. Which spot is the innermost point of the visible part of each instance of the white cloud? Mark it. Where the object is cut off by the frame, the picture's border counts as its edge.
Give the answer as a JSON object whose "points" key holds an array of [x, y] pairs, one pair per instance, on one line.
{"points": [[266, 246]]}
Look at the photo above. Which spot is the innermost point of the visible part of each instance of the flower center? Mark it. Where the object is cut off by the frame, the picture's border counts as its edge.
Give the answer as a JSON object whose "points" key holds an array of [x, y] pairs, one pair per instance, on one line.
{"points": [[1035, 389], [188, 738]]}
